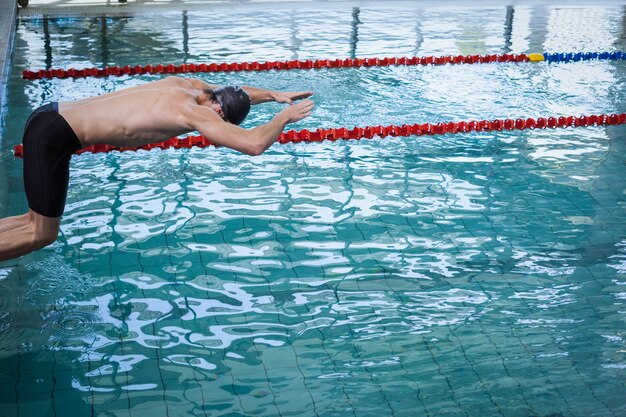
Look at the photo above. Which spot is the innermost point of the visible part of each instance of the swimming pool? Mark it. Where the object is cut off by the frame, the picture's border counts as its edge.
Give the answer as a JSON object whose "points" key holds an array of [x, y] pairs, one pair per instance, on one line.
{"points": [[474, 274]]}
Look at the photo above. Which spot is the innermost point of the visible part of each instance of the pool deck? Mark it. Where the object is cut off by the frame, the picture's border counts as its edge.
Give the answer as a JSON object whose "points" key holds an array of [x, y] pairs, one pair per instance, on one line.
{"points": [[38, 8]]}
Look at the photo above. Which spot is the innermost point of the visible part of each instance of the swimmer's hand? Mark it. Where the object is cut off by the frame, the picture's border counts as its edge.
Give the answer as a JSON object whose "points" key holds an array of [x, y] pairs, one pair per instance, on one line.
{"points": [[297, 111], [290, 97]]}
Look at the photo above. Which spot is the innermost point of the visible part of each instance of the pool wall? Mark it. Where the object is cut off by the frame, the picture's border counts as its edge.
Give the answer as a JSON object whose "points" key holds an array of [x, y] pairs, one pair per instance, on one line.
{"points": [[8, 12]]}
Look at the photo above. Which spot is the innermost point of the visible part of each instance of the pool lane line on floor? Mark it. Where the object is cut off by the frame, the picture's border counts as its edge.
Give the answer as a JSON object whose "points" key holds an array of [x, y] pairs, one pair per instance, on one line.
{"points": [[369, 132], [116, 71]]}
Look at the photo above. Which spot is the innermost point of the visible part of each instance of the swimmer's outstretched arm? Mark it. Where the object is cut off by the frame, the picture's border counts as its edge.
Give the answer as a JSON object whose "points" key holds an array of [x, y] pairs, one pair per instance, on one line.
{"points": [[258, 95], [249, 141]]}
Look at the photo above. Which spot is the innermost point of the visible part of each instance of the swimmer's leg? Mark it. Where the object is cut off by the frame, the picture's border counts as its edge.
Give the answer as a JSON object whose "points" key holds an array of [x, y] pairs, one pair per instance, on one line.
{"points": [[12, 222], [39, 231]]}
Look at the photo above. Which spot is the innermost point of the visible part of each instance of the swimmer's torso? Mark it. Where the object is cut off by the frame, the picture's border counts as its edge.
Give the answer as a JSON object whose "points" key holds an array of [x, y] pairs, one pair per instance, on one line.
{"points": [[133, 116]]}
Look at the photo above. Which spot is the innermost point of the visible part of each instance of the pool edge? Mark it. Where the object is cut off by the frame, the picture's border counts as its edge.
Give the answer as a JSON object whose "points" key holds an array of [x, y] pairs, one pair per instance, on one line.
{"points": [[83, 8], [8, 19]]}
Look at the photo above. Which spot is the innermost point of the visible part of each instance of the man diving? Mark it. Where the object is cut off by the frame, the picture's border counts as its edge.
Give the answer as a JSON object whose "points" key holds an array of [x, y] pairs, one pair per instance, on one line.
{"points": [[131, 117]]}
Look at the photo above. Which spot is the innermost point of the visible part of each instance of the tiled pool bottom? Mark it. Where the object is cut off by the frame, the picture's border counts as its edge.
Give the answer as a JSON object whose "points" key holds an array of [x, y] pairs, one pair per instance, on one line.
{"points": [[383, 316], [484, 360], [388, 277]]}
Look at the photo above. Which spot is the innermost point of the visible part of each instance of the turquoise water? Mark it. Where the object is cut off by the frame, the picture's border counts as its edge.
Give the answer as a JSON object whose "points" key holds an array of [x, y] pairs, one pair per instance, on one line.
{"points": [[473, 275]]}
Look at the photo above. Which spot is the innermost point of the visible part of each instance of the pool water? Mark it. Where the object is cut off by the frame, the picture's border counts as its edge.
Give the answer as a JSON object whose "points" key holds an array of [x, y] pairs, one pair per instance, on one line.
{"points": [[478, 274]]}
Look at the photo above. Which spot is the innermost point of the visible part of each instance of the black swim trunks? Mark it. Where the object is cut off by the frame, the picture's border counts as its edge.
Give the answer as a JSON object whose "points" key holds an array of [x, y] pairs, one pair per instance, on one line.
{"points": [[49, 143]]}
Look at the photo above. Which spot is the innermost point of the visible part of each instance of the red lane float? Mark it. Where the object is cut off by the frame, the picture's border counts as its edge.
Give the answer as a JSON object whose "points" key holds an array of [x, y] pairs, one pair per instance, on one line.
{"points": [[271, 65], [368, 132]]}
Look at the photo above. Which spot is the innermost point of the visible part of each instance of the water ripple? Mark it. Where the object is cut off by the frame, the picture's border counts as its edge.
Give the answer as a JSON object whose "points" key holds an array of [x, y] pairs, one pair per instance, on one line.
{"points": [[71, 324]]}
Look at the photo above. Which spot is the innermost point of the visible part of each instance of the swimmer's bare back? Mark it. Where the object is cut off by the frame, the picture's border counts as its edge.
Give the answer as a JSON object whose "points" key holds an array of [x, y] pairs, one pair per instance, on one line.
{"points": [[133, 116]]}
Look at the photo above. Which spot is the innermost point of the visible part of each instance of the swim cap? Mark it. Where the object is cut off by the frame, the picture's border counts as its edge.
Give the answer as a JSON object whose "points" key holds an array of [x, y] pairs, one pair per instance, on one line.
{"points": [[235, 103]]}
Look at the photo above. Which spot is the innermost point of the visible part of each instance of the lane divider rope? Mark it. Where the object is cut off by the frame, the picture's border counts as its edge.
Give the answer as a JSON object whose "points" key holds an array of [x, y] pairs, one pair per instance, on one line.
{"points": [[117, 71], [369, 132]]}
